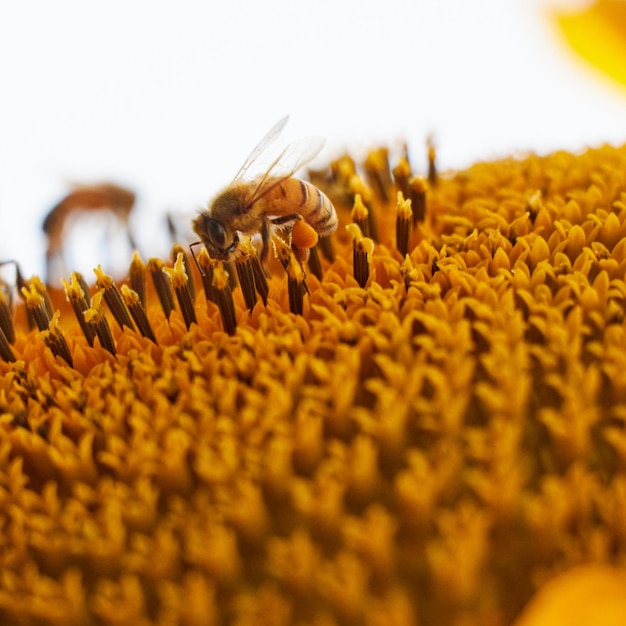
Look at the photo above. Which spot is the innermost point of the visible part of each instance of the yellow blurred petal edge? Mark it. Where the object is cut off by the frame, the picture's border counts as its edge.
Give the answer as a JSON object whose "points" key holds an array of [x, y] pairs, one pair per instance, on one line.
{"points": [[598, 35], [590, 594]]}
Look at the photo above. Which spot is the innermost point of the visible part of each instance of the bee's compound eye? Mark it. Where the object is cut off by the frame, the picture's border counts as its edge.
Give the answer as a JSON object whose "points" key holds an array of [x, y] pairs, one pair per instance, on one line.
{"points": [[216, 232]]}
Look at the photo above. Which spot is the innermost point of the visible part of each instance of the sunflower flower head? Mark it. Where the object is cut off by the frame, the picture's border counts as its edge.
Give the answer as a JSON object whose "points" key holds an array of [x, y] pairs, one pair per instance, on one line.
{"points": [[423, 424]]}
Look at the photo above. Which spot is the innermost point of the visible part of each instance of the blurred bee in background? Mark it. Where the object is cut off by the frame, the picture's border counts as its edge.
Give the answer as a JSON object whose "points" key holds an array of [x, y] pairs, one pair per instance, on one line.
{"points": [[107, 197], [274, 199]]}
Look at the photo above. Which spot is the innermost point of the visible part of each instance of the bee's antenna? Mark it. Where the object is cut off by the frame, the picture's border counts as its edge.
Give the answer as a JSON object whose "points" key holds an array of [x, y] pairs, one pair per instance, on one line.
{"points": [[19, 278], [193, 254]]}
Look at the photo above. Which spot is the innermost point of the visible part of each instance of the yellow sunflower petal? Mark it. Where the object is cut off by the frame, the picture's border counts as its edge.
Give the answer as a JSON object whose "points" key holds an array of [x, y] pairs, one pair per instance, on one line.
{"points": [[598, 34], [592, 594]]}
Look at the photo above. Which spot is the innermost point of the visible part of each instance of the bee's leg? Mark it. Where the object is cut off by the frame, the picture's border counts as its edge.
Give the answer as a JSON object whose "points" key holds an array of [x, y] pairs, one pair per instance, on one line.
{"points": [[302, 254], [54, 257], [283, 220], [131, 240], [265, 247], [286, 222]]}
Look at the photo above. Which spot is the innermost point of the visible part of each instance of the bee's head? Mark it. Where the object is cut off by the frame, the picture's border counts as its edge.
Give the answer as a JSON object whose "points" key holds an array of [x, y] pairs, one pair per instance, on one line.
{"points": [[219, 241]]}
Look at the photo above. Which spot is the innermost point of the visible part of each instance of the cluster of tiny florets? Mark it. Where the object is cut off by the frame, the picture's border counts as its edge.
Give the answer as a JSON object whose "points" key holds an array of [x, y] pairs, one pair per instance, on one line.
{"points": [[424, 424]]}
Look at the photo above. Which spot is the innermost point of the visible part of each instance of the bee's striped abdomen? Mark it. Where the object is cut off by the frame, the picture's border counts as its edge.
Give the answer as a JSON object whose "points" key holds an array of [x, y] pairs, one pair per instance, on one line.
{"points": [[293, 196], [317, 210]]}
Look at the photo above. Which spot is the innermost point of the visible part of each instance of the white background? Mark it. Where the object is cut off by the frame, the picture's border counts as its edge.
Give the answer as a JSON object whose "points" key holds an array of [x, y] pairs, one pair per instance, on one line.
{"points": [[169, 97]]}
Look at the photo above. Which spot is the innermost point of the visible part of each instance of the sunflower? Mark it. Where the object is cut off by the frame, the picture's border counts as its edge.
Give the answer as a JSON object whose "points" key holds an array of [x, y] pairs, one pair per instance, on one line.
{"points": [[425, 424]]}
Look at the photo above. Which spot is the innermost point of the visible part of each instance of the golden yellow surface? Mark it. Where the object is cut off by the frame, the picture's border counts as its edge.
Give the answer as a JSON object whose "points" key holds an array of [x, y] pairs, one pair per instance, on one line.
{"points": [[433, 448], [591, 594], [598, 34]]}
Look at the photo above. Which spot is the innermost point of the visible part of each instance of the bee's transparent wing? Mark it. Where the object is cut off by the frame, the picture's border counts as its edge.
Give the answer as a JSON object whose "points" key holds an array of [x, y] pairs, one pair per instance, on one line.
{"points": [[261, 147], [294, 157]]}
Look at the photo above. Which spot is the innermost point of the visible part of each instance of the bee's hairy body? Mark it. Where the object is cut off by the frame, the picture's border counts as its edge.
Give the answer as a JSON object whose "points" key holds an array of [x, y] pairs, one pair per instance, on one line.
{"points": [[230, 209]]}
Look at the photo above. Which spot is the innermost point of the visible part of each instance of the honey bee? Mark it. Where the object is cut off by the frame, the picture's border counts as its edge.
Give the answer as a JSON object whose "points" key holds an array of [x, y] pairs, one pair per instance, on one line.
{"points": [[269, 201], [85, 198]]}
